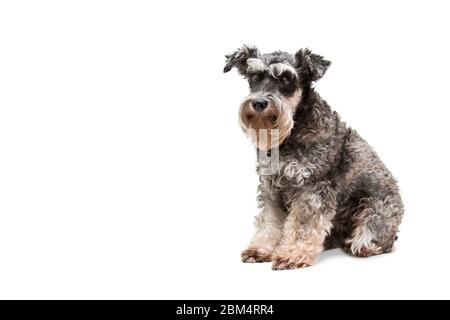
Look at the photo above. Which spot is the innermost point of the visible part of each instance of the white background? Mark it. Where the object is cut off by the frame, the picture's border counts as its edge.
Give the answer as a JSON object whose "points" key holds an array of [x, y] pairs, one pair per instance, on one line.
{"points": [[123, 171]]}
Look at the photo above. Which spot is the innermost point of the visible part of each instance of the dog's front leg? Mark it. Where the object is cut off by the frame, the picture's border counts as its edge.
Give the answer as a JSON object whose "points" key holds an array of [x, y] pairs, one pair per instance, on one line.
{"points": [[308, 223], [269, 227]]}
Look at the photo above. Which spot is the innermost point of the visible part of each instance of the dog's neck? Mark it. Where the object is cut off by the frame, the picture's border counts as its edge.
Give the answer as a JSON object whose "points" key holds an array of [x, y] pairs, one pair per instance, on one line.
{"points": [[313, 120]]}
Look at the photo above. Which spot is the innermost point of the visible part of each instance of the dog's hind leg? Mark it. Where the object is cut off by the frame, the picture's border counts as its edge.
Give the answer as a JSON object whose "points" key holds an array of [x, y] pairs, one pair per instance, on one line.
{"points": [[375, 225]]}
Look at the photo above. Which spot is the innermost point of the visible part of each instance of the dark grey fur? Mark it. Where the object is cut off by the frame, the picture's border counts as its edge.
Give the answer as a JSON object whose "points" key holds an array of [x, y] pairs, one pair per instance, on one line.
{"points": [[327, 173]]}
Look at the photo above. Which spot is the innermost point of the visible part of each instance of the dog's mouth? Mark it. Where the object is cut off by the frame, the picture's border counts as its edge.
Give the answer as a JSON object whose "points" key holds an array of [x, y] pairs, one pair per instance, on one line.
{"points": [[260, 120], [267, 128]]}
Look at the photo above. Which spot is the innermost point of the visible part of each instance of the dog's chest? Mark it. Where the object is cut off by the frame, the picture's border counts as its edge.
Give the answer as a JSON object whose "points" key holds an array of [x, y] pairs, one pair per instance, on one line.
{"points": [[289, 173]]}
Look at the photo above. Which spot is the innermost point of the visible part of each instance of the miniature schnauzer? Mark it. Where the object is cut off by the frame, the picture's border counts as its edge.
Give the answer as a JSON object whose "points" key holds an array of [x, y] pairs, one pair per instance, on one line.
{"points": [[329, 188]]}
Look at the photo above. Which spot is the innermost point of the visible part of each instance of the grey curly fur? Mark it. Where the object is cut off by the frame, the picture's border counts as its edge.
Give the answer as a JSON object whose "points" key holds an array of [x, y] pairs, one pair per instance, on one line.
{"points": [[331, 190]]}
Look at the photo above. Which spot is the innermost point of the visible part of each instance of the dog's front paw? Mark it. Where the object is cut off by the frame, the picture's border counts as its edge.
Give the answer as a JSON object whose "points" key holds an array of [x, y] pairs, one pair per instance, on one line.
{"points": [[286, 262], [252, 255]]}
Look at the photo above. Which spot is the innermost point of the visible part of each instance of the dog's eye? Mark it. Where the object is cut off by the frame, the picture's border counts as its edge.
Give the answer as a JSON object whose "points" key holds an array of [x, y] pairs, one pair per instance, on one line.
{"points": [[255, 77], [285, 80]]}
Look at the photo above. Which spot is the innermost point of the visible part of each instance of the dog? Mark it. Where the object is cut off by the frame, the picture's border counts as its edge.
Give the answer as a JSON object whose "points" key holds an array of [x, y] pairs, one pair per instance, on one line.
{"points": [[329, 189]]}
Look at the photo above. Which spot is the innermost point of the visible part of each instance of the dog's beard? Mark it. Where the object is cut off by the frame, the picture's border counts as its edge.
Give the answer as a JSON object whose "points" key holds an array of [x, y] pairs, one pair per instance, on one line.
{"points": [[271, 127]]}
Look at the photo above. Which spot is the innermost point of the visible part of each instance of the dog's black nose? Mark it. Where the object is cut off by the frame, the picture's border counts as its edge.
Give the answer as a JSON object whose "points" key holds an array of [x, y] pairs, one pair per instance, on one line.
{"points": [[259, 105]]}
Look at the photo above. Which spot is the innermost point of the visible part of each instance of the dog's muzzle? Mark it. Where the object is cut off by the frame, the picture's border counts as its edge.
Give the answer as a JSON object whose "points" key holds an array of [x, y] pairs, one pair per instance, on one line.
{"points": [[267, 114]]}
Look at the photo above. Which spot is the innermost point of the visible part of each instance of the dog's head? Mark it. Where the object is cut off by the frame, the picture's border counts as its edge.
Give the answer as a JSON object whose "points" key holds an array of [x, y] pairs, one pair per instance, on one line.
{"points": [[277, 81]]}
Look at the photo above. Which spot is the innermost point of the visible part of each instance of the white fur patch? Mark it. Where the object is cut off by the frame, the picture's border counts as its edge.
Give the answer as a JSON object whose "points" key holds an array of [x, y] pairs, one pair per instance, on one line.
{"points": [[255, 65], [278, 69], [362, 238]]}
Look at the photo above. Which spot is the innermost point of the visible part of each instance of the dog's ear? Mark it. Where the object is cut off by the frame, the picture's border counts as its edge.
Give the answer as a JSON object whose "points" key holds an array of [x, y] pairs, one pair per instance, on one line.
{"points": [[239, 58], [310, 66]]}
